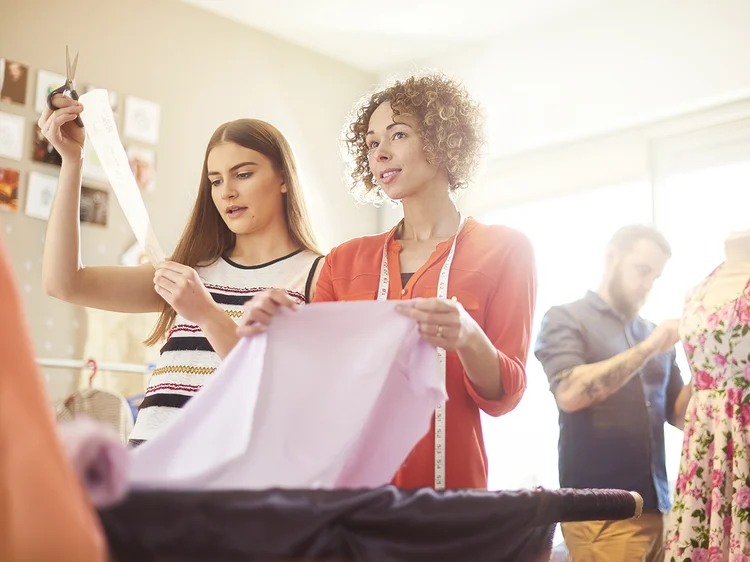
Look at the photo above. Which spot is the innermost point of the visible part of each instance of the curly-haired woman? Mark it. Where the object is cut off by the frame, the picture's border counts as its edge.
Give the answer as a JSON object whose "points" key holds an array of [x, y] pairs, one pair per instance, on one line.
{"points": [[471, 287]]}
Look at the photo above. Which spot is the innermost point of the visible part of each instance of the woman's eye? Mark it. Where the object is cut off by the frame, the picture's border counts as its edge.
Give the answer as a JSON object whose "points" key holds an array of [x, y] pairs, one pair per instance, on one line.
{"points": [[399, 135], [373, 145], [244, 175], [215, 183]]}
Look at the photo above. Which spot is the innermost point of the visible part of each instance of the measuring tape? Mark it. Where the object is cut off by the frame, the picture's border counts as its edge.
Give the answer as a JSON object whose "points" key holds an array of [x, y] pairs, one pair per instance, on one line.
{"points": [[101, 130], [442, 293]]}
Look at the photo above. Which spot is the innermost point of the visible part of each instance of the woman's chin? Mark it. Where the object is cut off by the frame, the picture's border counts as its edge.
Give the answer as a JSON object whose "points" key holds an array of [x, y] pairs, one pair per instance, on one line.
{"points": [[394, 194], [235, 227]]}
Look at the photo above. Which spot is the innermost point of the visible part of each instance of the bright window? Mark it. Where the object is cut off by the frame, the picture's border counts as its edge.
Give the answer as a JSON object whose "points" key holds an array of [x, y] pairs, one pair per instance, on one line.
{"points": [[699, 209], [569, 235], [701, 193]]}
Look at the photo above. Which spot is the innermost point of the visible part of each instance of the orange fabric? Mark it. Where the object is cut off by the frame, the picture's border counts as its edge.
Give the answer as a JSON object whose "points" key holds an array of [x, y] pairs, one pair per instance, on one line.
{"points": [[493, 276], [44, 513]]}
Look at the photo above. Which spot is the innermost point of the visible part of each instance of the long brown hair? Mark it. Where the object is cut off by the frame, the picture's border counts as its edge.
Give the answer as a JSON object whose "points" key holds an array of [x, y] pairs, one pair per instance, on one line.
{"points": [[206, 237]]}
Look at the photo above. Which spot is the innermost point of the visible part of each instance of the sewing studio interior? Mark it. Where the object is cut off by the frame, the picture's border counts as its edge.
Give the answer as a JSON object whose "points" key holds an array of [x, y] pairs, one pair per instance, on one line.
{"points": [[405, 281]]}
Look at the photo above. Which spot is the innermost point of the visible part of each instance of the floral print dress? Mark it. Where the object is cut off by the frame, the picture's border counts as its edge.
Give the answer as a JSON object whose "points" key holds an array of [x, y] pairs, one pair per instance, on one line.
{"points": [[710, 518]]}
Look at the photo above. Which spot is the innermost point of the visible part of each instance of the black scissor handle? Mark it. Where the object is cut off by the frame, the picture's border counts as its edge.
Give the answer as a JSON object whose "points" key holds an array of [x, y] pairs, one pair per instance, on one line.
{"points": [[64, 90]]}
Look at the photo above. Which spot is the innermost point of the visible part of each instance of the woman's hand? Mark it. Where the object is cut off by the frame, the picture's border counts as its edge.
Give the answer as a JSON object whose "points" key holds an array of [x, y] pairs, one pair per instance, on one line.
{"points": [[260, 310], [442, 322], [58, 128], [183, 290]]}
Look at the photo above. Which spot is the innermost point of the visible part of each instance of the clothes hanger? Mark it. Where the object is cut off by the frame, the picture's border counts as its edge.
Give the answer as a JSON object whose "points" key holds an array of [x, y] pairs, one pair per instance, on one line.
{"points": [[92, 364]]}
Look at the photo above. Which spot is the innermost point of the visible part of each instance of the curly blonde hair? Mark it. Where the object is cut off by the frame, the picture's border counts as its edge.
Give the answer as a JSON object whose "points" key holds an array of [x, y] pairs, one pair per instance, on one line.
{"points": [[450, 125]]}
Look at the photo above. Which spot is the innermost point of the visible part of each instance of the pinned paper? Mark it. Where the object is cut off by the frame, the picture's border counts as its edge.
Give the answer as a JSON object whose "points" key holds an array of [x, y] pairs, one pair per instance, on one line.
{"points": [[92, 168], [14, 78], [40, 194], [9, 189], [11, 136], [46, 82], [94, 205], [102, 132], [142, 120]]}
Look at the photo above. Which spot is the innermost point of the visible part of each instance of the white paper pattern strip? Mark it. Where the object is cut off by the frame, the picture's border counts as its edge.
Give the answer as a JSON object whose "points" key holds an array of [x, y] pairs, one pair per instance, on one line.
{"points": [[102, 132]]}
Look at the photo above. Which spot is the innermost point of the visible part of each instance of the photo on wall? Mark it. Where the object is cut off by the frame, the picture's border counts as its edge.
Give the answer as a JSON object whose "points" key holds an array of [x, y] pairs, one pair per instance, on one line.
{"points": [[143, 164], [134, 255], [11, 136], [43, 151], [92, 166], [112, 97], [9, 190], [14, 80], [94, 206], [142, 119], [46, 82], [39, 195]]}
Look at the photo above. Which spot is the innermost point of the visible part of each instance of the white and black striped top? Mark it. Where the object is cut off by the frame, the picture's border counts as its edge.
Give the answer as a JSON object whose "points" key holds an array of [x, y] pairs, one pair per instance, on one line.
{"points": [[187, 357]]}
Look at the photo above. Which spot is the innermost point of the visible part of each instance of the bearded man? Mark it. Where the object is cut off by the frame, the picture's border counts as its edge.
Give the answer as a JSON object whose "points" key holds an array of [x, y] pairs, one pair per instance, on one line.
{"points": [[616, 384]]}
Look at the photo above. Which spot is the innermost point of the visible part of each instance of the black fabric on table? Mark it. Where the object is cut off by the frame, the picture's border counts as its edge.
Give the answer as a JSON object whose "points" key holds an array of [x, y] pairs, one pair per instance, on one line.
{"points": [[384, 524]]}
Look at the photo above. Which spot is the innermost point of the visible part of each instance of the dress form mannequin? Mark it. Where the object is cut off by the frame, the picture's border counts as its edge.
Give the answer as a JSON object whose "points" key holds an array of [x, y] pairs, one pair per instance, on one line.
{"points": [[732, 276], [715, 332]]}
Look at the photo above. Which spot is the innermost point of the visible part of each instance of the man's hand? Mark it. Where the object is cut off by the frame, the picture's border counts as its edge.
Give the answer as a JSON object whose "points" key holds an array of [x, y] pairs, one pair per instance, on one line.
{"points": [[664, 337]]}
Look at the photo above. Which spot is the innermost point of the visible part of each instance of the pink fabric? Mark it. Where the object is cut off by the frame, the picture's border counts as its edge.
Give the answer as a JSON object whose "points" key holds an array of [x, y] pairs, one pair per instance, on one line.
{"points": [[98, 457], [334, 395]]}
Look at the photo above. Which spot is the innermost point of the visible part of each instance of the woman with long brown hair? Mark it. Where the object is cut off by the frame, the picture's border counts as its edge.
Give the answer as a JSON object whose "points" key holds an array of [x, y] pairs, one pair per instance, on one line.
{"points": [[248, 230]]}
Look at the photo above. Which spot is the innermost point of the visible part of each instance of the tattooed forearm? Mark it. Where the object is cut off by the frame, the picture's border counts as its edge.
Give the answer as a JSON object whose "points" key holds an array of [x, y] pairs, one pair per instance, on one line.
{"points": [[599, 388], [584, 385], [564, 375]]}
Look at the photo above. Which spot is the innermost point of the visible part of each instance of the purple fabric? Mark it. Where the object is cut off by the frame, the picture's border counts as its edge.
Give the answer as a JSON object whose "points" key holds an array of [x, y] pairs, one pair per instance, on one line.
{"points": [[334, 395], [98, 458]]}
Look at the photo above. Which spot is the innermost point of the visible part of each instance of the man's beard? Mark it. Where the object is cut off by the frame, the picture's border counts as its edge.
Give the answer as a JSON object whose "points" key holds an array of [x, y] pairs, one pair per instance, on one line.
{"points": [[620, 300]]}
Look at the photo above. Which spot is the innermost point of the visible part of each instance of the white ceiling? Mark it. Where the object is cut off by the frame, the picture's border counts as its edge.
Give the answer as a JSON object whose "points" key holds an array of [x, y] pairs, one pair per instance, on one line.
{"points": [[377, 36]]}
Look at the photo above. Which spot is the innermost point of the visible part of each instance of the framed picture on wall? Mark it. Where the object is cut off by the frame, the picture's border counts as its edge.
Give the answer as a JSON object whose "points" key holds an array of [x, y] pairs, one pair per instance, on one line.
{"points": [[142, 119], [39, 195], [43, 151], [143, 164], [94, 206], [113, 99], [9, 190], [134, 255], [11, 136], [14, 79], [46, 82], [92, 167]]}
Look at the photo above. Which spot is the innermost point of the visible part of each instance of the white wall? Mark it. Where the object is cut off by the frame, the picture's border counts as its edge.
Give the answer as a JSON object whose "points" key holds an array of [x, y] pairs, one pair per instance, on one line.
{"points": [[615, 66], [202, 70], [551, 85]]}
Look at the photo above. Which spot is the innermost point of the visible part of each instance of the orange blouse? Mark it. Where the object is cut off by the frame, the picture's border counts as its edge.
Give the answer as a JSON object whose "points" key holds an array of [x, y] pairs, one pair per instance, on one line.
{"points": [[44, 511], [493, 275]]}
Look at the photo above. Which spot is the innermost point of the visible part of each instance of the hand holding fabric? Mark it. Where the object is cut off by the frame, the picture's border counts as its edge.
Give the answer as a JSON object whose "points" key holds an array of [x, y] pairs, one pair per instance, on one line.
{"points": [[183, 290], [260, 310], [442, 322]]}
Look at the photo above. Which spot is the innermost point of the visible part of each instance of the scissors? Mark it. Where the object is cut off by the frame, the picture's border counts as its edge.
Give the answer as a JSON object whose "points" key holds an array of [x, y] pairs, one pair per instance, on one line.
{"points": [[67, 89]]}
